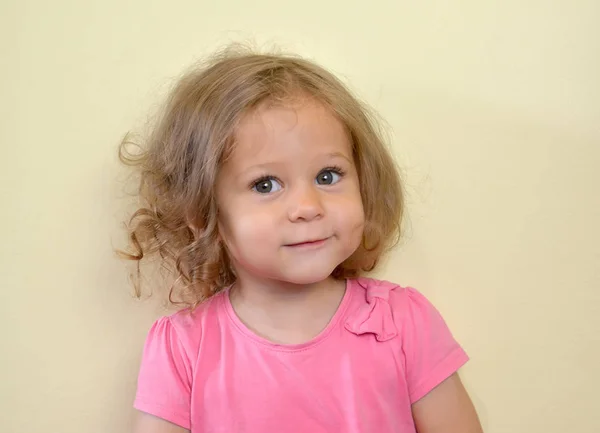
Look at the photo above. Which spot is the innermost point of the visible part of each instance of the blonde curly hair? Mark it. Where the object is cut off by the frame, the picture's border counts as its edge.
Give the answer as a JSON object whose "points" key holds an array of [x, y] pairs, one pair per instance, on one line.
{"points": [[180, 160]]}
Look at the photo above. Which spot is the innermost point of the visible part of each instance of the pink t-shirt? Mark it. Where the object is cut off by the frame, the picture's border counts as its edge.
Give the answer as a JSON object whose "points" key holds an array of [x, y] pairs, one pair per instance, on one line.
{"points": [[384, 349]]}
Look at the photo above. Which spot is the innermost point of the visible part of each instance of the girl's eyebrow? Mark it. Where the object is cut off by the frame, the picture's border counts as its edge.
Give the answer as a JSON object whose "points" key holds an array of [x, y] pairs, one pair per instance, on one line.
{"points": [[339, 155], [262, 166], [272, 164]]}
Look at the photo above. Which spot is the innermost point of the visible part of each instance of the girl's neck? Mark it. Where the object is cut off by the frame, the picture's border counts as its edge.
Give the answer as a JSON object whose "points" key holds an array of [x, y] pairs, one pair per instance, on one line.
{"points": [[284, 312], [279, 293]]}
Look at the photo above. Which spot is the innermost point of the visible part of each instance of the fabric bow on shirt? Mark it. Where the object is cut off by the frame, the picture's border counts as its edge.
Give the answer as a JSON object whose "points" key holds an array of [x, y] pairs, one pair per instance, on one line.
{"points": [[374, 317]]}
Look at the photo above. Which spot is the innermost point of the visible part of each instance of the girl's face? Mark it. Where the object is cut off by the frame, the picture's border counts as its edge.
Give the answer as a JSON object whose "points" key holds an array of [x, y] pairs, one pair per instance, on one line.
{"points": [[289, 200]]}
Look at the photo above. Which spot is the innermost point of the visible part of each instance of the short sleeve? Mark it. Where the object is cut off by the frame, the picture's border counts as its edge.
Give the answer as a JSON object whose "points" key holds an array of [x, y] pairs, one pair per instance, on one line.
{"points": [[164, 381], [431, 352]]}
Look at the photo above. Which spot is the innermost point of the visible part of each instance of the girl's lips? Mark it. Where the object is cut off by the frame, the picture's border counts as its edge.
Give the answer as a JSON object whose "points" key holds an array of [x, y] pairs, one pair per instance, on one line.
{"points": [[308, 244]]}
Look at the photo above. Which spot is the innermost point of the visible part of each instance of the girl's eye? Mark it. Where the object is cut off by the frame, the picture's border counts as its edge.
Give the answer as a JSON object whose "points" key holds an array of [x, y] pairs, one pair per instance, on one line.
{"points": [[328, 177], [266, 186]]}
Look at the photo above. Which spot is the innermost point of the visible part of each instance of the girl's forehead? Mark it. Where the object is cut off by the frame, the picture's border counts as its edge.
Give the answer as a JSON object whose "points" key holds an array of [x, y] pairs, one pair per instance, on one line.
{"points": [[301, 123]]}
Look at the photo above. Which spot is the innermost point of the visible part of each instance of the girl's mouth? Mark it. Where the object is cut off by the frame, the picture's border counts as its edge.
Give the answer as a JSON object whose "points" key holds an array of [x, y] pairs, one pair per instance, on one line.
{"points": [[308, 244]]}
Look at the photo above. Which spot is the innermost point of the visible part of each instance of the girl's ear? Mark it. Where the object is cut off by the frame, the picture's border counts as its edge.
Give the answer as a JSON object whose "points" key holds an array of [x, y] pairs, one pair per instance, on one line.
{"points": [[220, 231]]}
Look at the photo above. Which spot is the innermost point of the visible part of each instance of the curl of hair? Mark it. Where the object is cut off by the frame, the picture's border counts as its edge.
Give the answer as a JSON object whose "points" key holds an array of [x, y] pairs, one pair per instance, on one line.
{"points": [[194, 134]]}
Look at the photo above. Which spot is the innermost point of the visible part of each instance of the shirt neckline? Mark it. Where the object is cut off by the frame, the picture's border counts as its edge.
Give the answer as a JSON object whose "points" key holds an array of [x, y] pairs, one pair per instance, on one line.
{"points": [[333, 323]]}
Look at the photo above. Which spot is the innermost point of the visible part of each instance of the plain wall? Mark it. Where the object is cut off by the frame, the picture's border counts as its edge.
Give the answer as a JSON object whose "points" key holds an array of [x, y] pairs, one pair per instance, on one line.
{"points": [[494, 109]]}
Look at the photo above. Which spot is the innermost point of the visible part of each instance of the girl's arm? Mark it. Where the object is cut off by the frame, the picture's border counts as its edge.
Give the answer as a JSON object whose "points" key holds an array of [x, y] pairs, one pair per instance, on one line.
{"points": [[446, 409], [145, 423]]}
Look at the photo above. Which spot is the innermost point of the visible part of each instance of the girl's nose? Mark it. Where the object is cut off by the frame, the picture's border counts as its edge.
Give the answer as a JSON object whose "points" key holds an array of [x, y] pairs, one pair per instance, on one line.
{"points": [[306, 205]]}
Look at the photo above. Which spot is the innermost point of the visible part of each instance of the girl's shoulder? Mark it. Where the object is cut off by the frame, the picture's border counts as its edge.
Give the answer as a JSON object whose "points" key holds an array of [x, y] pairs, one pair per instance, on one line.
{"points": [[386, 310], [388, 291], [403, 319], [183, 329]]}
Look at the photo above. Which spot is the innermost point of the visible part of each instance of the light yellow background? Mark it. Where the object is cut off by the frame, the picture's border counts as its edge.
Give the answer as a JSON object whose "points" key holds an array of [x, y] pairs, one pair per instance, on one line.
{"points": [[495, 113]]}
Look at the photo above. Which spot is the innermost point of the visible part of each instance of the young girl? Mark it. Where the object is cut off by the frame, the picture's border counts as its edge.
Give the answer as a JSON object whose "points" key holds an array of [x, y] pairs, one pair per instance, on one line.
{"points": [[268, 191]]}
